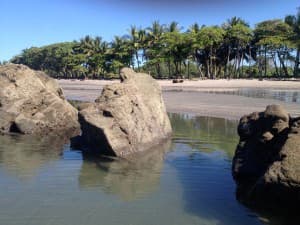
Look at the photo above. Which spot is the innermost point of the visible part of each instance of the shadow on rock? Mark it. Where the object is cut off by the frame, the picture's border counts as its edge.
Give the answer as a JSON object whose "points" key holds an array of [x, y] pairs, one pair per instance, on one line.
{"points": [[266, 165], [129, 178]]}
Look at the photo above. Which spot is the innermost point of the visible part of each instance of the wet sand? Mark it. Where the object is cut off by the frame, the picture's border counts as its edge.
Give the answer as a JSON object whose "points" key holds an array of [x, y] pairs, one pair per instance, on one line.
{"points": [[203, 97]]}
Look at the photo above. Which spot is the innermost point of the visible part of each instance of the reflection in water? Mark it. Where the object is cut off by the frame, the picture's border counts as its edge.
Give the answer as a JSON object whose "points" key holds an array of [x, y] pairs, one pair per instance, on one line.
{"points": [[275, 215], [130, 179], [202, 156], [286, 95], [22, 156], [205, 133], [186, 181]]}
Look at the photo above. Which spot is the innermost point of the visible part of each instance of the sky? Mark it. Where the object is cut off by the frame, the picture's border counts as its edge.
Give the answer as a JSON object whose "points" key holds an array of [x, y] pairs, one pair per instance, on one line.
{"points": [[27, 23]]}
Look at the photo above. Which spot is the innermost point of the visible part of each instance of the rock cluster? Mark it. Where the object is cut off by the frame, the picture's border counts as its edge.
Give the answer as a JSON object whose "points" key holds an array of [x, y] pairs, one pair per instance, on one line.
{"points": [[266, 165], [128, 117], [33, 103]]}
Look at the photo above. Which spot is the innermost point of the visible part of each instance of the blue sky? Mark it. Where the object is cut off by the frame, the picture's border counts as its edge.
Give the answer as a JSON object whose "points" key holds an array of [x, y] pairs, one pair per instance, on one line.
{"points": [[26, 23]]}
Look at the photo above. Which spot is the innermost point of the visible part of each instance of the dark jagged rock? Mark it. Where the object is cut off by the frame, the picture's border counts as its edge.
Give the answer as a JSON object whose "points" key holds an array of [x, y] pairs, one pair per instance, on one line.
{"points": [[266, 164], [128, 117], [33, 103]]}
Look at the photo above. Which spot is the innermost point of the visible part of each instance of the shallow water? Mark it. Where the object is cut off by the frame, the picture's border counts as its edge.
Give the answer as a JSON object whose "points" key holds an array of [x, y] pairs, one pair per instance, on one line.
{"points": [[285, 95], [187, 180]]}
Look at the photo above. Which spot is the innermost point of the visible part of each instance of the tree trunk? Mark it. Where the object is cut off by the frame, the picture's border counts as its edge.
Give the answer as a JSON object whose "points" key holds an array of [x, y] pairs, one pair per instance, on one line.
{"points": [[176, 68], [188, 67], [137, 60], [275, 64], [207, 68], [227, 63], [265, 61], [281, 60], [238, 73], [200, 70], [219, 72], [296, 67], [180, 69], [215, 70], [158, 70], [234, 66], [242, 60], [169, 68]]}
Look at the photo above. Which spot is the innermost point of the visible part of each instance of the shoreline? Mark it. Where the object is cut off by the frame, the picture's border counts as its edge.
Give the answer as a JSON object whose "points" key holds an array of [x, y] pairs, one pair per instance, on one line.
{"points": [[199, 98], [218, 83]]}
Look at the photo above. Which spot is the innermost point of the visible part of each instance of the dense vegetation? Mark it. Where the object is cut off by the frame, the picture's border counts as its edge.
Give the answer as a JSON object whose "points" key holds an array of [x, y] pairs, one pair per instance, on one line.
{"points": [[232, 50]]}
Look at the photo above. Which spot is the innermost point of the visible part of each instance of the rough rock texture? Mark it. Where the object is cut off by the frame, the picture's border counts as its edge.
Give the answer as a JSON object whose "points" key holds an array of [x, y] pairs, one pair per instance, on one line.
{"points": [[266, 164], [128, 117], [33, 103]]}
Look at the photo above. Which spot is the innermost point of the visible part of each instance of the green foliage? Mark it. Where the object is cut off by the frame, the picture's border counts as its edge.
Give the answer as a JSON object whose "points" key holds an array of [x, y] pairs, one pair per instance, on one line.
{"points": [[165, 51], [273, 33], [210, 36]]}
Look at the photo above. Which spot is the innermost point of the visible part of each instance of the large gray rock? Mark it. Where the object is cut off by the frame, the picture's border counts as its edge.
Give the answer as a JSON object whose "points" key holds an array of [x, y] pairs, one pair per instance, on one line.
{"points": [[33, 103], [266, 164], [128, 117]]}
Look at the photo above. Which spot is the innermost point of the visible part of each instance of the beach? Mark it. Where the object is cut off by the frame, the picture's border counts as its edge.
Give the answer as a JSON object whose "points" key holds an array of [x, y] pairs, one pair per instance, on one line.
{"points": [[214, 98]]}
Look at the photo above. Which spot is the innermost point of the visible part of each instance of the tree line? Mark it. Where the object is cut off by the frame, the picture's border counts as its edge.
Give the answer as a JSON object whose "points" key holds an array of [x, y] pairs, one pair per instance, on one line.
{"points": [[231, 50]]}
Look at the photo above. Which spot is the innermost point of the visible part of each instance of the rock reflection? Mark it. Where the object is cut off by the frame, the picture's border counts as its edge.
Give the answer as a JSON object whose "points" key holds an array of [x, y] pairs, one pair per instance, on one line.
{"points": [[285, 95], [23, 156], [205, 133], [129, 179], [276, 214]]}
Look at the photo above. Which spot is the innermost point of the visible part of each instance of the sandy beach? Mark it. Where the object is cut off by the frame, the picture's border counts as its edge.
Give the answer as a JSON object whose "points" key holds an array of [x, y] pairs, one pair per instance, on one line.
{"points": [[203, 97]]}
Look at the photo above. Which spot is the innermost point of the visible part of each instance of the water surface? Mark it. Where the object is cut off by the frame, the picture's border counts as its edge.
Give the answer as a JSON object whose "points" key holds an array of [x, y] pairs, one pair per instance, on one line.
{"points": [[187, 180], [285, 95]]}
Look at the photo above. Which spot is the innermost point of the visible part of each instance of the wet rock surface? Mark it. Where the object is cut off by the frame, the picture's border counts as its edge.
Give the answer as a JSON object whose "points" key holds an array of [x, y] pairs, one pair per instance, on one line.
{"points": [[266, 164]]}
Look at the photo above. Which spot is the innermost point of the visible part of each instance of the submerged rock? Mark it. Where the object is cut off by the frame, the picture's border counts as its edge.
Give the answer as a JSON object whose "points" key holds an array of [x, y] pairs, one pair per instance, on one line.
{"points": [[266, 164], [33, 103], [128, 117]]}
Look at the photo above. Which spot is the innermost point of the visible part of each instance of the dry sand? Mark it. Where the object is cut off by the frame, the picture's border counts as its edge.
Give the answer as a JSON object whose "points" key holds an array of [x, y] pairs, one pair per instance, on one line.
{"points": [[194, 97]]}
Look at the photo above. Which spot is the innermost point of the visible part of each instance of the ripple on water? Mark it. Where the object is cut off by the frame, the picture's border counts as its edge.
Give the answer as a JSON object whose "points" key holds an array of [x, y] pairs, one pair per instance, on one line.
{"points": [[184, 181]]}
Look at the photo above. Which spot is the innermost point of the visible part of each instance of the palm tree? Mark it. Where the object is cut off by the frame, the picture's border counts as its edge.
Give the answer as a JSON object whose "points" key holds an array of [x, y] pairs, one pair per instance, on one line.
{"points": [[237, 42], [154, 45], [294, 22], [169, 45], [134, 42], [90, 48], [121, 53], [173, 27], [142, 40], [194, 28], [273, 36], [196, 48], [210, 40]]}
